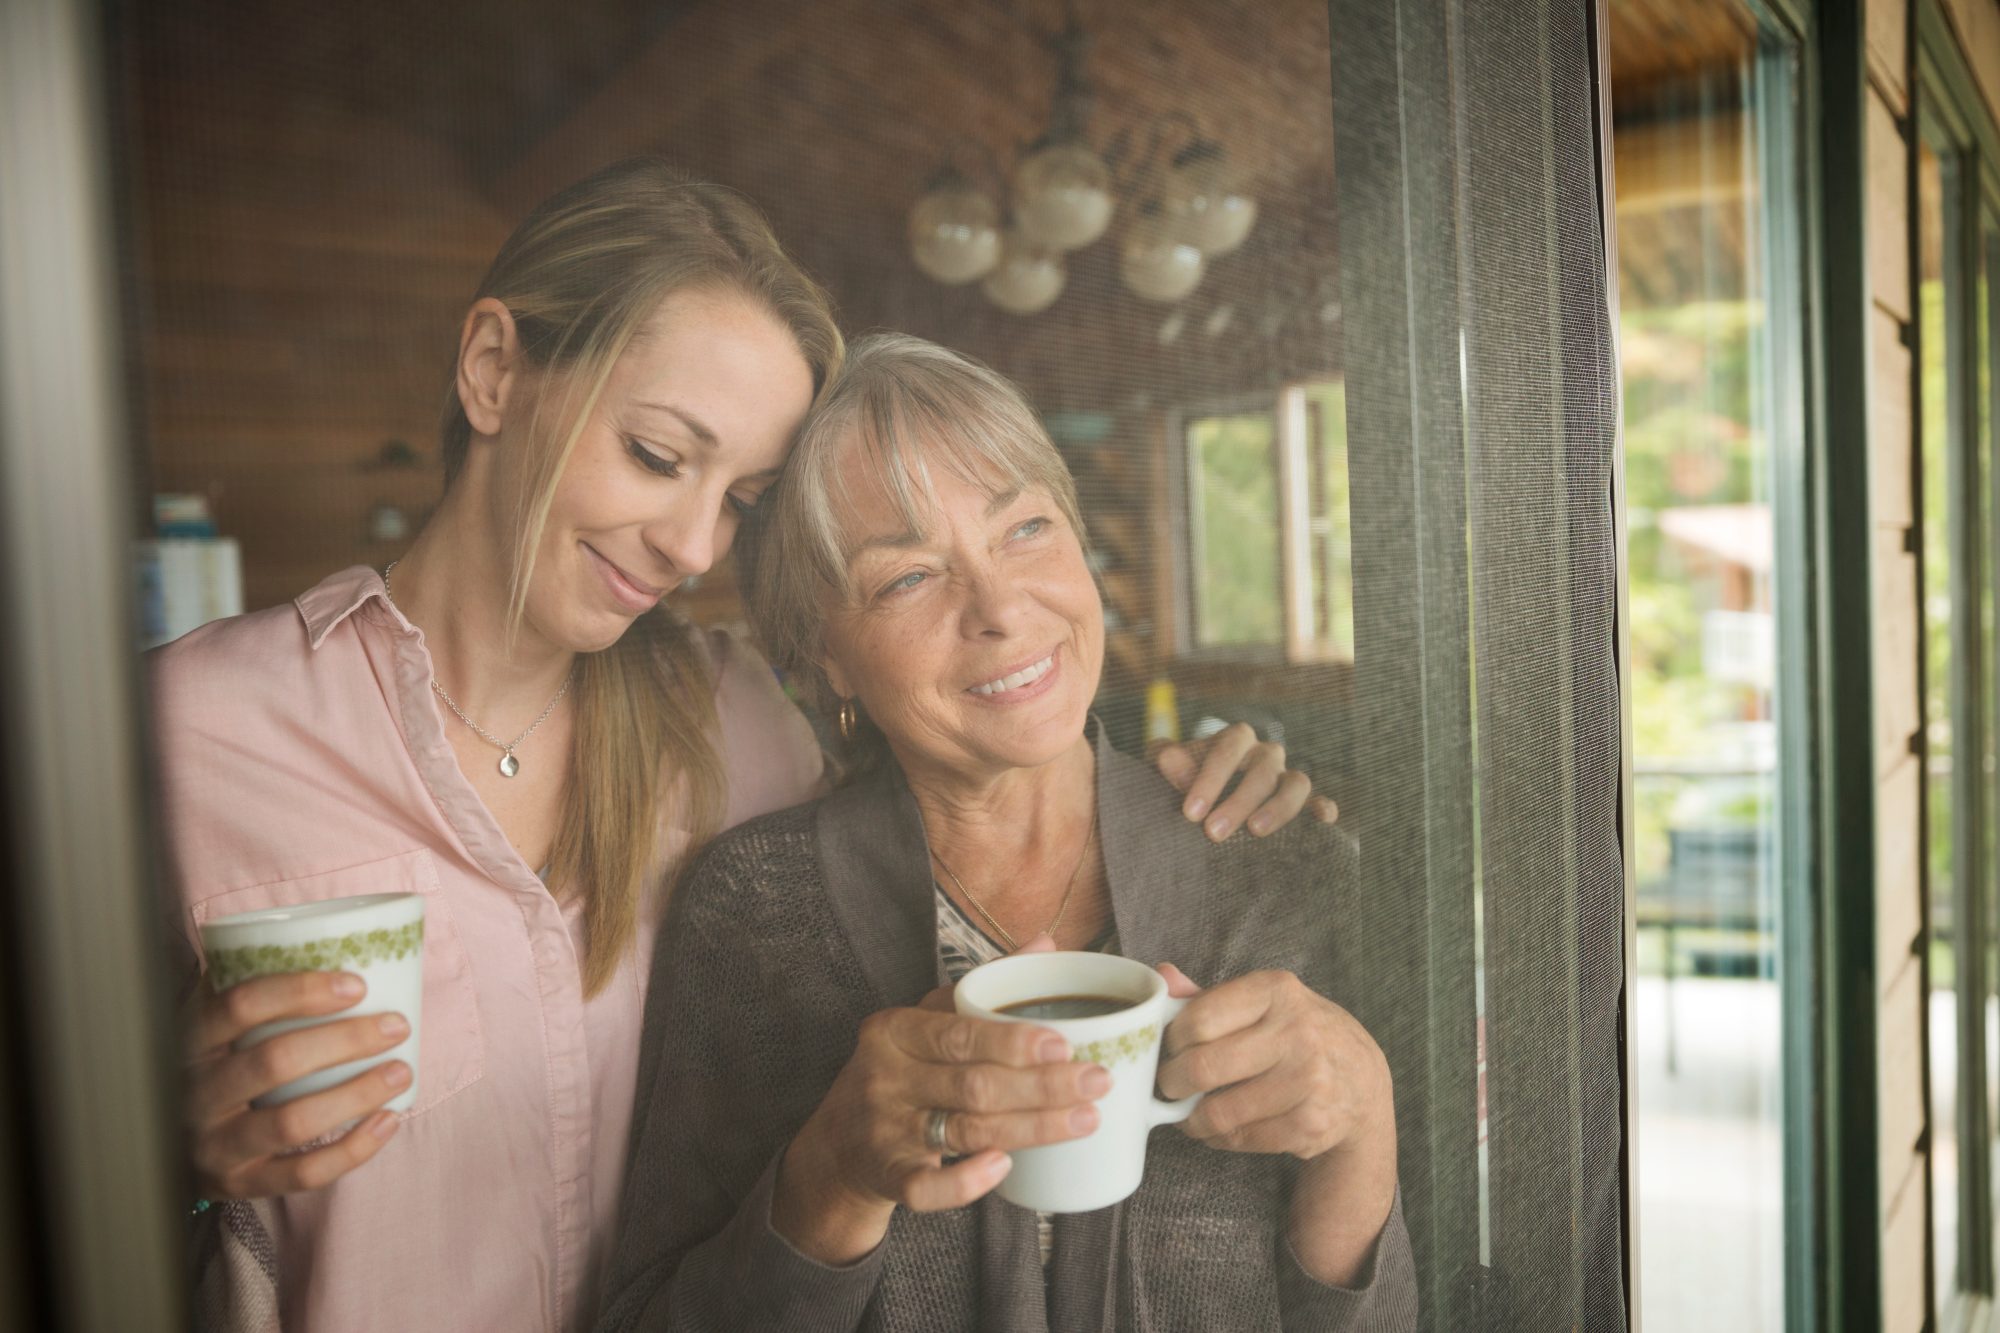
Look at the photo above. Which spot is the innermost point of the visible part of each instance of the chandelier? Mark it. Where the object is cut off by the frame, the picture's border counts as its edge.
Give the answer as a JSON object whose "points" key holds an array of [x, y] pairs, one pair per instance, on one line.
{"points": [[1179, 209]]}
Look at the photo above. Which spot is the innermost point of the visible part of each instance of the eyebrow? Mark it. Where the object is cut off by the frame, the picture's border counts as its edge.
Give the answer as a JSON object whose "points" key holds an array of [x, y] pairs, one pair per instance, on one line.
{"points": [[904, 540], [695, 425]]}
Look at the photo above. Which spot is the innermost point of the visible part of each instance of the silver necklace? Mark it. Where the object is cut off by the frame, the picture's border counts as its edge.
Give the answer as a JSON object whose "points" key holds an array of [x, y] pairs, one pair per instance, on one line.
{"points": [[509, 764], [1061, 908]]}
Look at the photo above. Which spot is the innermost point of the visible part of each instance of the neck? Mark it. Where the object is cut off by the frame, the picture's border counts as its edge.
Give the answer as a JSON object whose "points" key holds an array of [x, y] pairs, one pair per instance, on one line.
{"points": [[453, 585], [1015, 832]]}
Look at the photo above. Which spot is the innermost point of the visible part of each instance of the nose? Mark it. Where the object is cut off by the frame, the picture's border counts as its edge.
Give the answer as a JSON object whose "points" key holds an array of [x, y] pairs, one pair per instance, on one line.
{"points": [[687, 539], [993, 605]]}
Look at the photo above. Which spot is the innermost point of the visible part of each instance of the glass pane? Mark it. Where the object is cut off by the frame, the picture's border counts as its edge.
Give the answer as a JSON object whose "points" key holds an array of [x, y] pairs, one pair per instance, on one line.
{"points": [[1234, 522], [1705, 424], [1134, 215]]}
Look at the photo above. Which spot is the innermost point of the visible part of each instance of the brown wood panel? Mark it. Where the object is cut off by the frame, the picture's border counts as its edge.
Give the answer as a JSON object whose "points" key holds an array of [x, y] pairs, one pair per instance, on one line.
{"points": [[1900, 1038], [1904, 1277], [1891, 423], [1888, 211], [1896, 623], [1898, 872], [1888, 51], [1977, 24]]}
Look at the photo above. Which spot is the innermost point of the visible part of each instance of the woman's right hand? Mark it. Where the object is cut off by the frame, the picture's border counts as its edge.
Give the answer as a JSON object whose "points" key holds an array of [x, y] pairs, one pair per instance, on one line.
{"points": [[238, 1151], [863, 1151]]}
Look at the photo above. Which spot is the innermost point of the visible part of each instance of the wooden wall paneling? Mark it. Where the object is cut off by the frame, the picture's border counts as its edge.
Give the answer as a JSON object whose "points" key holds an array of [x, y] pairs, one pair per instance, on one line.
{"points": [[1897, 625], [1889, 51], [1888, 211], [1977, 23], [1891, 423], [1905, 1279], [1898, 871], [1901, 1041]]}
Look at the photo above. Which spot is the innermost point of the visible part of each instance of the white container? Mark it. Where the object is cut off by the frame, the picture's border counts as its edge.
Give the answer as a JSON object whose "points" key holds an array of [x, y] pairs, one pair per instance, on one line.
{"points": [[1107, 1164], [379, 937]]}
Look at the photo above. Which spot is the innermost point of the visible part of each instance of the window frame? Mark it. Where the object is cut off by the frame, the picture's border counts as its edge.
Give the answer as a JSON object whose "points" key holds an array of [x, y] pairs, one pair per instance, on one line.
{"points": [[1950, 118], [1288, 409]]}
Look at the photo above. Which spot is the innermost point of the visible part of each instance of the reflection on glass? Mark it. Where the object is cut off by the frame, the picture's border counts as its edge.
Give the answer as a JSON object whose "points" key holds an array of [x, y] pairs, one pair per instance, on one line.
{"points": [[1702, 422]]}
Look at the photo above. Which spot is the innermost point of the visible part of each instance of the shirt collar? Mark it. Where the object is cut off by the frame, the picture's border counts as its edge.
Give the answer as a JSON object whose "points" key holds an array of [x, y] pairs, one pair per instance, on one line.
{"points": [[339, 596]]}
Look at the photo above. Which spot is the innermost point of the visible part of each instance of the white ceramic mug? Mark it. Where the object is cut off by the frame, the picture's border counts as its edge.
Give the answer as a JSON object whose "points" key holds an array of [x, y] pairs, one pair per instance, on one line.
{"points": [[1107, 1164], [378, 936]]}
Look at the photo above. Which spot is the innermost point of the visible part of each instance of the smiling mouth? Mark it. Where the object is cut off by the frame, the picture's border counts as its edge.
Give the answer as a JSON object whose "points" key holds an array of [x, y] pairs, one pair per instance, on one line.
{"points": [[630, 589], [1015, 680]]}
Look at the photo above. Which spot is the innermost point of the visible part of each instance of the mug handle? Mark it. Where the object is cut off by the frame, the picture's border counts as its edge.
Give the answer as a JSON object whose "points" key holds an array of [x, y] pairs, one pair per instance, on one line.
{"points": [[1171, 1113]]}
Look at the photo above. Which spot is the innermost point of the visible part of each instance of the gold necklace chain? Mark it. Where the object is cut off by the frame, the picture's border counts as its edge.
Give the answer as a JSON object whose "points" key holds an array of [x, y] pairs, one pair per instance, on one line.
{"points": [[1069, 892]]}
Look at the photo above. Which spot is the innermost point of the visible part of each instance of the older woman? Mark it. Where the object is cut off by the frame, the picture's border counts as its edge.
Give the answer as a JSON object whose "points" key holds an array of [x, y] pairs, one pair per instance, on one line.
{"points": [[817, 1136]]}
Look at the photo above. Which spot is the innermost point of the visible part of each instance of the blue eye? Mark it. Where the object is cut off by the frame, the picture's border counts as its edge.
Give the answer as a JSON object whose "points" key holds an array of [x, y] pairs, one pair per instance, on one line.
{"points": [[907, 582], [652, 462], [1032, 528]]}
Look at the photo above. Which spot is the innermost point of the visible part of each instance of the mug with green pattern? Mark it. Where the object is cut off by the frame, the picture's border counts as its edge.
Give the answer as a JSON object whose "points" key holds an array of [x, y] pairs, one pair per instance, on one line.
{"points": [[1106, 1164], [379, 937]]}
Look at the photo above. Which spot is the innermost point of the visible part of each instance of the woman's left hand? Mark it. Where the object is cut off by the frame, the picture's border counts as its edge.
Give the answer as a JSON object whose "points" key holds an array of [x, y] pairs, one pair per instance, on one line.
{"points": [[1268, 797], [1287, 1070]]}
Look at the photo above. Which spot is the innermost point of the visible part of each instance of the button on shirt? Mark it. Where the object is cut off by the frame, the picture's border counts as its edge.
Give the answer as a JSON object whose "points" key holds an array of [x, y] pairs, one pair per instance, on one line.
{"points": [[301, 757]]}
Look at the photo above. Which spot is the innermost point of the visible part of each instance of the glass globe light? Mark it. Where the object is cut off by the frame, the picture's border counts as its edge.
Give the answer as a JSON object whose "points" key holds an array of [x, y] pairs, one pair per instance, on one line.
{"points": [[1062, 195], [955, 231], [1203, 194], [1028, 278], [1156, 261]]}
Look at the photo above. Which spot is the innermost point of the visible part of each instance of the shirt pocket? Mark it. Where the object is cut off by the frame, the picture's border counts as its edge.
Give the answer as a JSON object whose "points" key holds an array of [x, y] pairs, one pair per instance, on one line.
{"points": [[452, 1054]]}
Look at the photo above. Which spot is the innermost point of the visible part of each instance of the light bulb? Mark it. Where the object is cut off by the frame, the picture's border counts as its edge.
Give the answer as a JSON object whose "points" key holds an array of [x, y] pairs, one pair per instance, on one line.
{"points": [[1062, 196], [955, 232], [1202, 194], [1157, 262], [1028, 278]]}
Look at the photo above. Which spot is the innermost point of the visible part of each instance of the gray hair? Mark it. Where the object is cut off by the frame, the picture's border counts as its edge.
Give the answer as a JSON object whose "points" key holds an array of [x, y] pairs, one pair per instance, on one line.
{"points": [[899, 408]]}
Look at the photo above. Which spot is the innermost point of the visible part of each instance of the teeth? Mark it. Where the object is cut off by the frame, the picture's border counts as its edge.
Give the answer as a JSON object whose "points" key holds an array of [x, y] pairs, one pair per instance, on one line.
{"points": [[1025, 676]]}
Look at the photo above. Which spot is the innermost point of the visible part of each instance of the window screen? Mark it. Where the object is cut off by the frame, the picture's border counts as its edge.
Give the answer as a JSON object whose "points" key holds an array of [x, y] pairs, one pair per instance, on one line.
{"points": [[1347, 476]]}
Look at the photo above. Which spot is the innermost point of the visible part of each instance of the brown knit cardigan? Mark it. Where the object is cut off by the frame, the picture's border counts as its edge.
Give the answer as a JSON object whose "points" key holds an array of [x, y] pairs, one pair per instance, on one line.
{"points": [[794, 928]]}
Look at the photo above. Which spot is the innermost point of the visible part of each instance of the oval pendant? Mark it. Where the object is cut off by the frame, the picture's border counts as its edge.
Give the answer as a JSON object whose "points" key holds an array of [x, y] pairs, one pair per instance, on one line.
{"points": [[509, 765]]}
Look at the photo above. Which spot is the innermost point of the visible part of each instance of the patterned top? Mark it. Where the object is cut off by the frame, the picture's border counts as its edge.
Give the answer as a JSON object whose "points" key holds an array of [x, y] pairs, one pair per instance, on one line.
{"points": [[962, 946]]}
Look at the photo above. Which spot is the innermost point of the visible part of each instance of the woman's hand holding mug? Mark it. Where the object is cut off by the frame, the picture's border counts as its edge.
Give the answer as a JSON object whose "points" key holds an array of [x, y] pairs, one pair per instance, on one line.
{"points": [[239, 1151], [868, 1147], [1287, 1070]]}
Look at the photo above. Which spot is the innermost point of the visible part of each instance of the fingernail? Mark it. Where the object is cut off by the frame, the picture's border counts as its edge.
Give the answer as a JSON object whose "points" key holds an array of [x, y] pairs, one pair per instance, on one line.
{"points": [[1197, 808], [1095, 1082], [1083, 1119], [1051, 1049], [1260, 825], [1001, 1165], [1218, 828], [396, 1074], [393, 1025], [348, 986], [384, 1126]]}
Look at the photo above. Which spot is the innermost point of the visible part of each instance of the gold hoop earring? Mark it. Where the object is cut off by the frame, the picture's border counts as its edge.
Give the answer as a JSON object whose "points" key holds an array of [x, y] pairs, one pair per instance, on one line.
{"points": [[849, 719]]}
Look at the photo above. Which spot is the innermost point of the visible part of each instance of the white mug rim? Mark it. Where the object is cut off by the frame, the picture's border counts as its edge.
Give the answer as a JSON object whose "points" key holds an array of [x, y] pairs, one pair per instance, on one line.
{"points": [[324, 916], [1141, 1009]]}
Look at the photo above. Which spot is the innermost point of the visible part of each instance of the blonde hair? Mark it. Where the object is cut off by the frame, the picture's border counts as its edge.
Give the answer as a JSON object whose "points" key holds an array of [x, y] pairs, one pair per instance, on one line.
{"points": [[581, 276], [900, 408]]}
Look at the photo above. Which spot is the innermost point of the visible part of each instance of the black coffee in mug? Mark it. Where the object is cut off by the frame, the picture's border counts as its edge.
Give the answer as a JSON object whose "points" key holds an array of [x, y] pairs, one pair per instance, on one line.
{"points": [[1066, 1006]]}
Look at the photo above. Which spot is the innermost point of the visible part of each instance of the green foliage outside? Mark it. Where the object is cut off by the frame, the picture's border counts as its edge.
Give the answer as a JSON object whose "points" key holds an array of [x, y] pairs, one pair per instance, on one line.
{"points": [[1692, 438], [1238, 579]]}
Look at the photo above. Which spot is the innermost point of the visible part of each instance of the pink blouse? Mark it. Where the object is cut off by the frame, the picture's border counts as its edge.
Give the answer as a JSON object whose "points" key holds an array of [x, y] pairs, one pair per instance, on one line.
{"points": [[302, 757]]}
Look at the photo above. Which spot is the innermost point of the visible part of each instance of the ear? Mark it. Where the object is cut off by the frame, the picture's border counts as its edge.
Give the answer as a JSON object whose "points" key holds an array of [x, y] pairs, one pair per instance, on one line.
{"points": [[489, 359], [836, 678]]}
